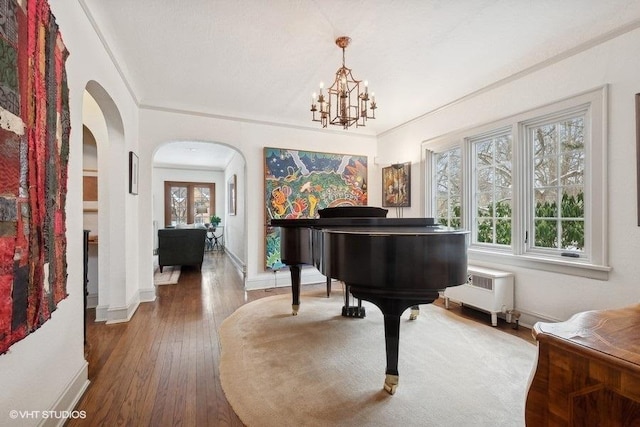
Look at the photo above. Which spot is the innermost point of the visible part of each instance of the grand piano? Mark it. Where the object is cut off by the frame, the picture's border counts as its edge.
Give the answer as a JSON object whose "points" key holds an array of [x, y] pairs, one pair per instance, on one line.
{"points": [[395, 263]]}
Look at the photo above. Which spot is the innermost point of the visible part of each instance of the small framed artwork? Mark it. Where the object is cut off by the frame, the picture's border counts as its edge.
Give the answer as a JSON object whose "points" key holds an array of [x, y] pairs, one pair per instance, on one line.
{"points": [[90, 190], [232, 190], [133, 173], [396, 185]]}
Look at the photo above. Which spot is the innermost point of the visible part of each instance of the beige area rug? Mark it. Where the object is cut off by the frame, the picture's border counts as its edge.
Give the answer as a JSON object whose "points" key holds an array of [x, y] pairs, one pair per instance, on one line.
{"points": [[169, 276], [321, 369]]}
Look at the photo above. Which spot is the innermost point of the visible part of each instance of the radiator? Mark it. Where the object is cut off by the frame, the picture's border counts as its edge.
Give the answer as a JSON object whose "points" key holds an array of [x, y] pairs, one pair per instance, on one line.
{"points": [[486, 289]]}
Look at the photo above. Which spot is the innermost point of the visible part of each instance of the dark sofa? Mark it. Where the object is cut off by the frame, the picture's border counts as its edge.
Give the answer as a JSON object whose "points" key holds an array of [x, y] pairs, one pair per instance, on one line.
{"points": [[181, 246]]}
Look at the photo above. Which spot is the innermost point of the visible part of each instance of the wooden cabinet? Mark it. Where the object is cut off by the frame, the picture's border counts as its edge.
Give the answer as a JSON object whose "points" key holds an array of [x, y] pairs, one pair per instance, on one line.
{"points": [[588, 371]]}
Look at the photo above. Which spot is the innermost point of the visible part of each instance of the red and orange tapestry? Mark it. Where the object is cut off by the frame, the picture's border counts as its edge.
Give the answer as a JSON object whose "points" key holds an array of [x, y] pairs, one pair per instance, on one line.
{"points": [[34, 151]]}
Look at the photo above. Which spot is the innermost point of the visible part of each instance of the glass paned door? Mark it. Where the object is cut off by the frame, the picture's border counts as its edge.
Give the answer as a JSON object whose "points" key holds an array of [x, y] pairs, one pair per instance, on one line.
{"points": [[202, 197], [179, 204]]}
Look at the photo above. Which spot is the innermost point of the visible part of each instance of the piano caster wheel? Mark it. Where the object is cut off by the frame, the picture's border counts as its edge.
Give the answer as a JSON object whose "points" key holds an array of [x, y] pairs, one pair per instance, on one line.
{"points": [[391, 383], [294, 310], [414, 314]]}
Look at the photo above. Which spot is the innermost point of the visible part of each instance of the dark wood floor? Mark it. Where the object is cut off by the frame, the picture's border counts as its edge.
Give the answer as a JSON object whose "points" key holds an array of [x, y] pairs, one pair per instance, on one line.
{"points": [[161, 368]]}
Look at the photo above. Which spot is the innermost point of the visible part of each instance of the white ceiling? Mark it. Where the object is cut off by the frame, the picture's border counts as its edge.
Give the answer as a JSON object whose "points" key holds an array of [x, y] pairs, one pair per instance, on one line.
{"points": [[260, 60], [195, 154]]}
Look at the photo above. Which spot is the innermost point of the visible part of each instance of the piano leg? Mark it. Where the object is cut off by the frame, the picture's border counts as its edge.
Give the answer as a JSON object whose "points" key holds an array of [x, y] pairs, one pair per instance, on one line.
{"points": [[295, 288], [392, 344], [392, 304]]}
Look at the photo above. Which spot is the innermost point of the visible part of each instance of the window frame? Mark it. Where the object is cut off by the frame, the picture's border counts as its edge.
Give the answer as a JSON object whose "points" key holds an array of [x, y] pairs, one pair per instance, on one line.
{"points": [[470, 143], [595, 262]]}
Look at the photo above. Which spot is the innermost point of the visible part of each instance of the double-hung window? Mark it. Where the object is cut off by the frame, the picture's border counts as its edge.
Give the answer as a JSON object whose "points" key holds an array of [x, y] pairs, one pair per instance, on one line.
{"points": [[531, 188]]}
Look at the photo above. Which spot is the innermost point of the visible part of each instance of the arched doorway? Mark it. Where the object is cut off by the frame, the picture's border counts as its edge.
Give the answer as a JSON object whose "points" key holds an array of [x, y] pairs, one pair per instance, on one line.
{"points": [[205, 162], [102, 118]]}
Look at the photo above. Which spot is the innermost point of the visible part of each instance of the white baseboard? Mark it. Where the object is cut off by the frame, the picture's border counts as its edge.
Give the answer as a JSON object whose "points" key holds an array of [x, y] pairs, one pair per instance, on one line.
{"points": [[101, 313], [278, 279], [122, 314], [69, 397], [92, 300], [237, 262], [147, 295], [529, 318]]}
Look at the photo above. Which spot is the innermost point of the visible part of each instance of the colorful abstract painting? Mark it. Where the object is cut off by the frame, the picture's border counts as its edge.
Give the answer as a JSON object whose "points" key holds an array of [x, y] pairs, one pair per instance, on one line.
{"points": [[299, 183], [34, 152]]}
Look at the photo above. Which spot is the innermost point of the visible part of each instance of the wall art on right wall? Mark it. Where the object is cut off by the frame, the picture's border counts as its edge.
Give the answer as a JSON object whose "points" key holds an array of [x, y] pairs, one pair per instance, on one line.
{"points": [[396, 185]]}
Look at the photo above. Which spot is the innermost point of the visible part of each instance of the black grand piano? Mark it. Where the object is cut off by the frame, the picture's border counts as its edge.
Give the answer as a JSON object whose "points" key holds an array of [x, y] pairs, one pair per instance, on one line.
{"points": [[395, 263]]}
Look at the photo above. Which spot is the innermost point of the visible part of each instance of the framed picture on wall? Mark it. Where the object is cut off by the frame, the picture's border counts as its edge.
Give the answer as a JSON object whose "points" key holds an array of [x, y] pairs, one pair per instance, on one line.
{"points": [[90, 190], [133, 173], [396, 185], [232, 190]]}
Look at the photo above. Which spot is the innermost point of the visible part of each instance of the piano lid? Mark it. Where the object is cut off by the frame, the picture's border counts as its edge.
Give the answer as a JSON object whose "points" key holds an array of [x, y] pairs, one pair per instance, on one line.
{"points": [[353, 222], [353, 212], [395, 231]]}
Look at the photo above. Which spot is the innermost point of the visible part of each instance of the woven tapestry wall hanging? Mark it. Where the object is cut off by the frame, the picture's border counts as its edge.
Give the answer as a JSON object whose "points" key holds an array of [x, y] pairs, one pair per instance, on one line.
{"points": [[299, 183], [34, 151]]}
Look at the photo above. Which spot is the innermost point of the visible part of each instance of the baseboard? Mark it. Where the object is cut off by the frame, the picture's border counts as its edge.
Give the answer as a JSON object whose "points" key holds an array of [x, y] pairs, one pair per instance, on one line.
{"points": [[529, 318], [69, 398], [123, 314], [147, 295], [101, 313], [277, 279], [237, 263], [92, 300]]}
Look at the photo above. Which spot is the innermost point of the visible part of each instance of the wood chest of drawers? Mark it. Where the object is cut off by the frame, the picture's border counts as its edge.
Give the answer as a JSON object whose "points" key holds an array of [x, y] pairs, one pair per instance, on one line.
{"points": [[588, 371]]}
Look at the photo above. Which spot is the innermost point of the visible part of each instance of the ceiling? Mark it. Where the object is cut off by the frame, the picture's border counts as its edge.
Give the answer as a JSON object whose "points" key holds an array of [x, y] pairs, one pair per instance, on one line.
{"points": [[260, 60], [194, 154]]}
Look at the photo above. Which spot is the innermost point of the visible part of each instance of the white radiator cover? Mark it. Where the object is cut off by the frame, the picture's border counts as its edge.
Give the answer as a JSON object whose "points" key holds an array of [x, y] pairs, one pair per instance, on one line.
{"points": [[486, 289]]}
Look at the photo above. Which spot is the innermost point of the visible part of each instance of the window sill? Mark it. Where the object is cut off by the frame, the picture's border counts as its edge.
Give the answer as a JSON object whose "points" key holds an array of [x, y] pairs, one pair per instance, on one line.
{"points": [[554, 265]]}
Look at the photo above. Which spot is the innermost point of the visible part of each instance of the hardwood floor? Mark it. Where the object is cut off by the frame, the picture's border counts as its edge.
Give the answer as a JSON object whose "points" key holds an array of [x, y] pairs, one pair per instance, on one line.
{"points": [[161, 368]]}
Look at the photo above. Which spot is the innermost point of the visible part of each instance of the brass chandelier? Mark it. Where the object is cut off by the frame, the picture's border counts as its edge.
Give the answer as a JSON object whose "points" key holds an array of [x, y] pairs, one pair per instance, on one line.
{"points": [[346, 105]]}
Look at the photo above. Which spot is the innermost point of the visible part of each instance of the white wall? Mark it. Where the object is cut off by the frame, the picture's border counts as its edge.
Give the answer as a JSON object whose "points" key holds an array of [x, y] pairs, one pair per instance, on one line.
{"points": [[235, 239], [249, 138], [616, 62]]}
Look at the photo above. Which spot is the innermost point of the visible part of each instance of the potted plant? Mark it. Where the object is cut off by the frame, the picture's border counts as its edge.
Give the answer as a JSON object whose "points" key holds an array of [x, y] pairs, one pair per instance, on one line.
{"points": [[215, 221]]}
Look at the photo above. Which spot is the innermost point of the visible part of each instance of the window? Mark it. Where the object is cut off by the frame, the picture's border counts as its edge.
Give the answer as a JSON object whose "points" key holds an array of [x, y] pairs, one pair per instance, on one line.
{"points": [[531, 188], [492, 156], [188, 202], [557, 154], [448, 188]]}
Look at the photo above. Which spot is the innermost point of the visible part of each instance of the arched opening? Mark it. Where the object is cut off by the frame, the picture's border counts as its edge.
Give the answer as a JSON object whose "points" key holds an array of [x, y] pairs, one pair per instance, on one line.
{"points": [[102, 119], [90, 212], [180, 168]]}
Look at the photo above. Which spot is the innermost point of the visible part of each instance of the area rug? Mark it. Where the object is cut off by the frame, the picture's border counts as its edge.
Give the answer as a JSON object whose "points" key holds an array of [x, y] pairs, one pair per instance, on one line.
{"points": [[169, 276], [320, 369]]}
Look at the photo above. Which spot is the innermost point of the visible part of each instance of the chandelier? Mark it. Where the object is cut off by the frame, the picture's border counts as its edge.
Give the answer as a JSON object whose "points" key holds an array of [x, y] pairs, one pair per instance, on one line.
{"points": [[346, 105]]}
